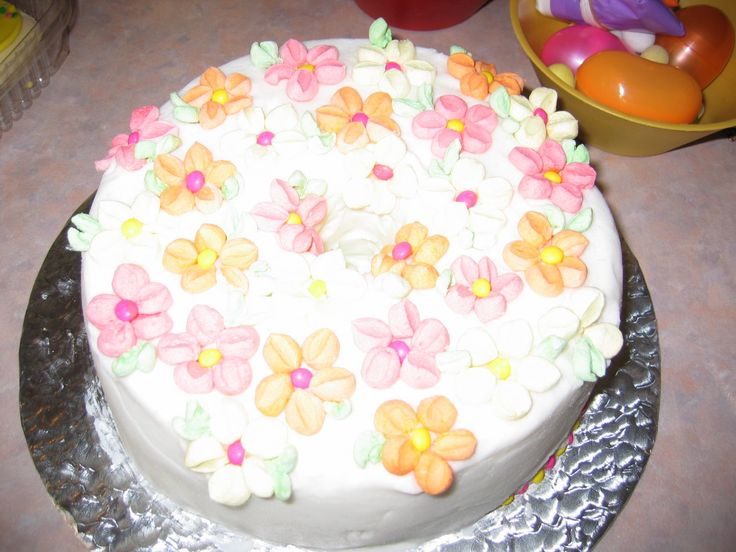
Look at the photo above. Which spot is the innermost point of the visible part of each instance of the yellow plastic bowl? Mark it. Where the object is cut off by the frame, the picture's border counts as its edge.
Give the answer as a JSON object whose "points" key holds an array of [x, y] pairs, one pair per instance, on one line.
{"points": [[609, 129]]}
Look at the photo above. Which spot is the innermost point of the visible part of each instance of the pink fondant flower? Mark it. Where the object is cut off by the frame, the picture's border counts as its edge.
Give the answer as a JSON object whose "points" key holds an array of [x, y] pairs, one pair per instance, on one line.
{"points": [[208, 355], [404, 348], [294, 220], [548, 175], [144, 125], [478, 287], [305, 69], [452, 119], [135, 310]]}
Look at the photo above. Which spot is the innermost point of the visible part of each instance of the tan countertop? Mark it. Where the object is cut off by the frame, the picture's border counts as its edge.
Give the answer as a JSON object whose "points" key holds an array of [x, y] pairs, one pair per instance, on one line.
{"points": [[675, 211]]}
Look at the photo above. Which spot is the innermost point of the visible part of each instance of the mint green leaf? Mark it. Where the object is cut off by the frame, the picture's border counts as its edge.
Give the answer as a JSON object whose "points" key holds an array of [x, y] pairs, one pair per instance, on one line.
{"points": [[231, 186], [436, 169], [404, 107], [194, 424], [146, 357], [455, 49], [425, 96], [581, 155], [264, 54], [284, 463], [581, 221], [126, 363], [145, 149], [338, 410], [568, 146], [186, 114], [555, 216], [281, 486], [452, 154], [550, 347], [169, 143], [153, 184], [379, 33], [582, 360], [368, 447], [78, 241], [86, 224], [500, 102], [175, 99]]}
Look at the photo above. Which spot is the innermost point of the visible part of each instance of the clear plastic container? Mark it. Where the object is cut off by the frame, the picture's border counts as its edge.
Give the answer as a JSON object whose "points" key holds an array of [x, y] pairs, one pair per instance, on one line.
{"points": [[27, 67]]}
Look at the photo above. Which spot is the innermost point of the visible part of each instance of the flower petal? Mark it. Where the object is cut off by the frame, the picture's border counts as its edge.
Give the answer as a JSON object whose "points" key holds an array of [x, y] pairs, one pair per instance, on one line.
{"points": [[381, 367], [394, 418], [451, 107], [177, 348], [419, 370], [152, 326], [430, 336], [371, 332], [272, 394], [282, 353], [304, 412], [403, 319], [192, 378], [333, 384], [232, 376]]}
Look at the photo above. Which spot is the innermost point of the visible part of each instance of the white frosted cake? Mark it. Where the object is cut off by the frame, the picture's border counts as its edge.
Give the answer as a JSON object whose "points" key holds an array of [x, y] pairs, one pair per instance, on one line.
{"points": [[348, 293]]}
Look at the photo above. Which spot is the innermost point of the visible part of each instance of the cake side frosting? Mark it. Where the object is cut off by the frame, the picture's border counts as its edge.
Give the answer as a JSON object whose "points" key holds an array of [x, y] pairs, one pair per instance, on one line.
{"points": [[413, 290]]}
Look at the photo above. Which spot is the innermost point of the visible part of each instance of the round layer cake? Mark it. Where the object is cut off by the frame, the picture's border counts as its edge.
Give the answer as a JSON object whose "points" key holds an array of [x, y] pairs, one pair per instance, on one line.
{"points": [[348, 293]]}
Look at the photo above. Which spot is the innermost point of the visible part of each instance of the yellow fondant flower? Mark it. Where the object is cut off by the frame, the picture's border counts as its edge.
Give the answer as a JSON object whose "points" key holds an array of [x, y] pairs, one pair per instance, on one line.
{"points": [[218, 96]]}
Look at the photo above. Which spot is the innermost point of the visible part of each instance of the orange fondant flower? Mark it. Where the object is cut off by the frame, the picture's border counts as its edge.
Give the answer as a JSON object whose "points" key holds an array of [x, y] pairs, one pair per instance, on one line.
{"points": [[478, 78], [218, 96], [550, 261], [423, 441], [300, 392], [195, 182], [412, 256], [198, 261], [356, 122]]}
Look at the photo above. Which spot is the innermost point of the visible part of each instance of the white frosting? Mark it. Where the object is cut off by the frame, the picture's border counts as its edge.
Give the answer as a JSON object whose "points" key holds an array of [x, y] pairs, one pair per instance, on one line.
{"points": [[335, 503]]}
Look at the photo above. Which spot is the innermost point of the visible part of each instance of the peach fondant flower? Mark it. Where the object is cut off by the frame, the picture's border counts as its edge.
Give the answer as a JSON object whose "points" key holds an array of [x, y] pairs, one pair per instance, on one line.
{"points": [[208, 355], [356, 122], [293, 219], [423, 441], [305, 69], [404, 348], [135, 310], [195, 182], [298, 391], [550, 261], [478, 287], [197, 261], [548, 175], [412, 256], [478, 78], [218, 96], [452, 119]]}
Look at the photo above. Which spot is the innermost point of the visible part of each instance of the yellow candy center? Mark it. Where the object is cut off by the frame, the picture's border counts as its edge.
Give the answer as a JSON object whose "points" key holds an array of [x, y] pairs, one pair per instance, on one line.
{"points": [[294, 218], [553, 176], [455, 124], [220, 96], [500, 367], [552, 255], [306, 67], [481, 287], [206, 258], [318, 289], [420, 438], [488, 75], [209, 358], [131, 228]]}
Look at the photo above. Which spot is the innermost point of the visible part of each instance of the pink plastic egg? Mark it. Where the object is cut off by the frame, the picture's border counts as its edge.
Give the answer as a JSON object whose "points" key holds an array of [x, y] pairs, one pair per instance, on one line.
{"points": [[576, 43]]}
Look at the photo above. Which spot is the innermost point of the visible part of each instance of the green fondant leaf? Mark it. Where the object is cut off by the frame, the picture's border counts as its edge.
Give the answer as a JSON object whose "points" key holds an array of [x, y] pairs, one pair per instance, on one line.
{"points": [[338, 410], [145, 149], [309, 125], [368, 447], [500, 102], [555, 216], [404, 107], [231, 186], [153, 184], [86, 223], [126, 363], [435, 168], [379, 33], [452, 154], [455, 49], [328, 139], [176, 100], [186, 114], [582, 361], [194, 424], [264, 54], [581, 221], [568, 146], [581, 155], [284, 463], [550, 347], [425, 96], [281, 486], [169, 143], [78, 241], [146, 358]]}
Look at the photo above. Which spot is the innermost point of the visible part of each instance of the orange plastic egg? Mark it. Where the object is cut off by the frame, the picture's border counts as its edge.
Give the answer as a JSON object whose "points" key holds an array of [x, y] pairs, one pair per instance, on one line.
{"points": [[640, 87]]}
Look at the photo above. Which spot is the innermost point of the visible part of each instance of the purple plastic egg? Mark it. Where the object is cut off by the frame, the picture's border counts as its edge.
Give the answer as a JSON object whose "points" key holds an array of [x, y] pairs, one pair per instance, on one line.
{"points": [[576, 43]]}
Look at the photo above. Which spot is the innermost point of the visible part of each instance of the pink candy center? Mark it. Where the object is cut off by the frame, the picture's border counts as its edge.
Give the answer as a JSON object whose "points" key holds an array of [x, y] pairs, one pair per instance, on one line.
{"points": [[236, 453], [265, 138], [542, 114], [126, 310], [401, 251], [301, 377], [468, 197], [134, 138], [392, 65], [360, 117], [551, 461], [195, 181], [383, 172], [401, 348]]}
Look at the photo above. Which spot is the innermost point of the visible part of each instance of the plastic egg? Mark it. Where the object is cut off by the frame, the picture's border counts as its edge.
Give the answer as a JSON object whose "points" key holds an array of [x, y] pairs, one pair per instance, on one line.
{"points": [[639, 87], [576, 43], [707, 45]]}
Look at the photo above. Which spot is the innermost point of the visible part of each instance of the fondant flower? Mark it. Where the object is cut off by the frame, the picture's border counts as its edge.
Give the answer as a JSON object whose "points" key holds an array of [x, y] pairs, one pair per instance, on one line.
{"points": [[300, 392], [241, 458], [452, 119], [394, 69], [356, 122], [551, 262], [198, 261], [405, 347], [293, 219], [424, 441], [305, 69], [478, 287], [135, 310], [195, 182], [479, 78], [548, 175], [144, 125], [412, 256], [218, 96], [379, 174], [208, 355]]}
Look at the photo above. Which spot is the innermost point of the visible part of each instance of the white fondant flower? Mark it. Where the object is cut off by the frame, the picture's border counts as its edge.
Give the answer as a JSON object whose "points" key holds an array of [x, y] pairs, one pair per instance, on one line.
{"points": [[538, 118], [394, 69], [379, 173], [502, 372], [127, 231]]}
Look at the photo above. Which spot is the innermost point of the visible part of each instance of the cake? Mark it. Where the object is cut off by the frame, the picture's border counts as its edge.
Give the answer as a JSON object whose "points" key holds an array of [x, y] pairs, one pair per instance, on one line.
{"points": [[349, 293]]}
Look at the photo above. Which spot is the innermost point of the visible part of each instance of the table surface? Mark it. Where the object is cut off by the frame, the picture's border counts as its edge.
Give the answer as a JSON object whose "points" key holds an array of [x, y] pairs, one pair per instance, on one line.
{"points": [[674, 210]]}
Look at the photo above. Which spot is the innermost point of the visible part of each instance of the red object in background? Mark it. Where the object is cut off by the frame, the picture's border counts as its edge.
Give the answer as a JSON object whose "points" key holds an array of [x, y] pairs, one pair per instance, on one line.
{"points": [[421, 15]]}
